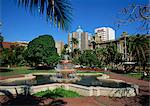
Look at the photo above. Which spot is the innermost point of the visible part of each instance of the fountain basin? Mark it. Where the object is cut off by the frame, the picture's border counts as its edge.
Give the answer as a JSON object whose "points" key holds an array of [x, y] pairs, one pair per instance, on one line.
{"points": [[82, 90], [84, 86]]}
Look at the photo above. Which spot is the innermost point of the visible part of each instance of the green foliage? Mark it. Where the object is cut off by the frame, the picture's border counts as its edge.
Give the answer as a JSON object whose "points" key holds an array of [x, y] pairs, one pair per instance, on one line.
{"points": [[57, 93], [6, 57], [113, 56], [74, 41], [42, 50], [138, 48], [76, 60], [88, 58], [1, 38], [58, 12], [13, 56], [109, 54], [134, 75], [21, 70], [64, 51]]}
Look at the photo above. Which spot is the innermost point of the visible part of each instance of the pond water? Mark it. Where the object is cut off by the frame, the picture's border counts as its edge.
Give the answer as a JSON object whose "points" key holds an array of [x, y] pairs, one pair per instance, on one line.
{"points": [[85, 80]]}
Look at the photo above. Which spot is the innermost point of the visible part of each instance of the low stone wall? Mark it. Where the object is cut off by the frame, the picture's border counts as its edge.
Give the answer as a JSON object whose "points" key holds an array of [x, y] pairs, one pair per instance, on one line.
{"points": [[26, 77], [6, 90], [82, 90]]}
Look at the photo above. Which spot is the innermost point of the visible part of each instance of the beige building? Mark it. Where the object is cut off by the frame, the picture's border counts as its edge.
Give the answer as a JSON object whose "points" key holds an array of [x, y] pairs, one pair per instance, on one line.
{"points": [[84, 41], [59, 45], [82, 37], [21, 43]]}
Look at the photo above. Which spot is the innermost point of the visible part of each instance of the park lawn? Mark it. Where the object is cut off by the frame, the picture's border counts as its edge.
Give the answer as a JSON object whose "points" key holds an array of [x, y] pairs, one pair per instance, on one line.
{"points": [[93, 72], [21, 71], [137, 75]]}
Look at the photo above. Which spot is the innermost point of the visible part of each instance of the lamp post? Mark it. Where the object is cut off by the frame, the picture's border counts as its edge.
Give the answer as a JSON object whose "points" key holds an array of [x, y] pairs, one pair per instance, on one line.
{"points": [[125, 41]]}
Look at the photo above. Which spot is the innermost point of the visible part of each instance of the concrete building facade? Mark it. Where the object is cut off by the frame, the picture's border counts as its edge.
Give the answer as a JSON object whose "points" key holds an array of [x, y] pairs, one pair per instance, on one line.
{"points": [[82, 37], [59, 46], [104, 34]]}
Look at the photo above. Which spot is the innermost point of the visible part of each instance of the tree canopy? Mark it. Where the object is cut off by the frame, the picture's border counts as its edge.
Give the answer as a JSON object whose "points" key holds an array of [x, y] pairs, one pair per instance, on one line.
{"points": [[41, 50], [88, 58]]}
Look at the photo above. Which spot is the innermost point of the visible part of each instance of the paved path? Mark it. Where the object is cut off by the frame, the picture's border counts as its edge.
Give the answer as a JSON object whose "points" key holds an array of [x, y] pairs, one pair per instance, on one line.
{"points": [[144, 85]]}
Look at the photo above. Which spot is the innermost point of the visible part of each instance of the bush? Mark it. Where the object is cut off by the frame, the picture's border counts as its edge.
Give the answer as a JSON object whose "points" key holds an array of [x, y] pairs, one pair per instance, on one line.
{"points": [[57, 93]]}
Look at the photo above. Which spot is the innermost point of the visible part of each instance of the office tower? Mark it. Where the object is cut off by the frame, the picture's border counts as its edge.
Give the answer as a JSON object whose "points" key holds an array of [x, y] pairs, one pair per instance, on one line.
{"points": [[104, 34], [81, 37]]}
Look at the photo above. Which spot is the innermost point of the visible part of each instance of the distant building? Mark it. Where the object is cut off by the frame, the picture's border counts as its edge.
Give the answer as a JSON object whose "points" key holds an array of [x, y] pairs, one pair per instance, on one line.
{"points": [[104, 34], [21, 43], [59, 45], [82, 37], [5, 45], [120, 46], [10, 45]]}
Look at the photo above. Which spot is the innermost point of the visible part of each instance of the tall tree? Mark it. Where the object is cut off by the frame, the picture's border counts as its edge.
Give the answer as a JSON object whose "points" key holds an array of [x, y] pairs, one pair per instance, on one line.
{"points": [[59, 12], [74, 42], [137, 47]]}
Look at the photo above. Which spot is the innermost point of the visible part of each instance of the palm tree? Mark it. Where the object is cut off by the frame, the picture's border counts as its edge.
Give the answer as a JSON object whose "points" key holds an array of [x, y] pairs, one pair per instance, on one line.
{"points": [[101, 54], [137, 48], [77, 53], [74, 42], [58, 12]]}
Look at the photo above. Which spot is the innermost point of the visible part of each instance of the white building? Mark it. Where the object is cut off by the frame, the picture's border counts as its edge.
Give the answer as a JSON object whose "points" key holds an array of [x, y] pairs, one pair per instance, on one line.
{"points": [[105, 33]]}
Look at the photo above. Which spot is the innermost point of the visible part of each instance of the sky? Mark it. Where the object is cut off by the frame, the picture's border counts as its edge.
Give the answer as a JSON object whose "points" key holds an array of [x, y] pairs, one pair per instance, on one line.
{"points": [[18, 24]]}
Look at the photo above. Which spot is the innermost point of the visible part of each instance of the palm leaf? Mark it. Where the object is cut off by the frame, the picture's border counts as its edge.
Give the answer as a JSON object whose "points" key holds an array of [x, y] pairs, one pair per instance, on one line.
{"points": [[58, 12]]}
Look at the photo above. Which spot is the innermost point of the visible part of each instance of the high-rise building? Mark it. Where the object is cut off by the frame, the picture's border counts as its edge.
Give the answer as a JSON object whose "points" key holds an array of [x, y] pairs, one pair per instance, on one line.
{"points": [[84, 41], [104, 34], [81, 37], [59, 45]]}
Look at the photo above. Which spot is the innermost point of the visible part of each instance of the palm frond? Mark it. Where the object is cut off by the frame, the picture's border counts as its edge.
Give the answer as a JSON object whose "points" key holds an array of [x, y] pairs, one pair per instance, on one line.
{"points": [[58, 12]]}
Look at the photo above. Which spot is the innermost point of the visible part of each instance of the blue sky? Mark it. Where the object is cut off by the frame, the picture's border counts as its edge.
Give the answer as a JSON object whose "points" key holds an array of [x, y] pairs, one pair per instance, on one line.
{"points": [[20, 25]]}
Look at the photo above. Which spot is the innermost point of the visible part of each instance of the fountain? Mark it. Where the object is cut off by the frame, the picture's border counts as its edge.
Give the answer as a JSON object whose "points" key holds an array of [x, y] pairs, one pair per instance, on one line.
{"points": [[65, 72], [66, 77]]}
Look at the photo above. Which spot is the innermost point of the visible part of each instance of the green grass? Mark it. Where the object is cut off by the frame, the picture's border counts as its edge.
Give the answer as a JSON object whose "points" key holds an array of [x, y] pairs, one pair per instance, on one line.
{"points": [[138, 75], [93, 72], [21, 70], [134, 75], [57, 93]]}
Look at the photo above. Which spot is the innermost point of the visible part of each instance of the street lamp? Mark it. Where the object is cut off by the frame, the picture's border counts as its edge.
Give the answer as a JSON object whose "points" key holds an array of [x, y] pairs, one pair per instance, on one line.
{"points": [[125, 45], [125, 38]]}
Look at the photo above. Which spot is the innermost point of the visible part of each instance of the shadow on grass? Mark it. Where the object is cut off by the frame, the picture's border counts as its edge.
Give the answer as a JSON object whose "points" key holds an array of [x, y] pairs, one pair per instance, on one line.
{"points": [[5, 70], [25, 99]]}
